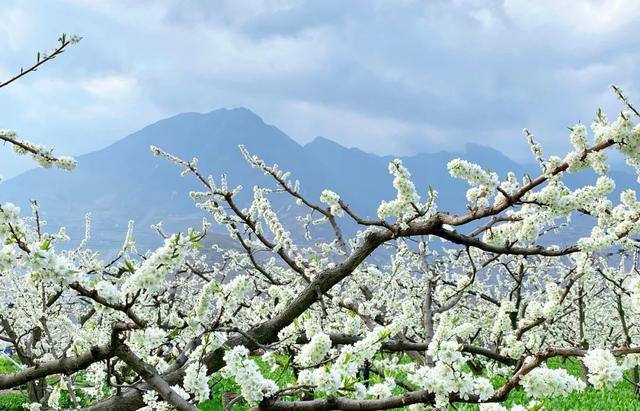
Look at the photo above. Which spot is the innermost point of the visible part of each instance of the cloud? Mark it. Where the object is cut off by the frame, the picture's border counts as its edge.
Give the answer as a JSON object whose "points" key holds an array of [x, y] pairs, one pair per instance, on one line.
{"points": [[385, 76], [91, 98], [110, 87], [575, 18], [345, 126], [14, 26], [234, 57]]}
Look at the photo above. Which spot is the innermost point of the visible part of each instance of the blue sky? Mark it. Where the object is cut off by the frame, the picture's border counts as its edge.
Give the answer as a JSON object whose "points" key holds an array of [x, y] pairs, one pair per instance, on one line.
{"points": [[390, 77]]}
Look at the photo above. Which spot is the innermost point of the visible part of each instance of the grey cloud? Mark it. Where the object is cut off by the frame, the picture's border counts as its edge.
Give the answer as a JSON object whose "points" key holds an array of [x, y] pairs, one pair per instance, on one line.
{"points": [[437, 72]]}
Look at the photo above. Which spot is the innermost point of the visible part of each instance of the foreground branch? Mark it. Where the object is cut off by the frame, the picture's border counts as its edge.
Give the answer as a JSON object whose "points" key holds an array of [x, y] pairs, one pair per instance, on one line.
{"points": [[151, 377]]}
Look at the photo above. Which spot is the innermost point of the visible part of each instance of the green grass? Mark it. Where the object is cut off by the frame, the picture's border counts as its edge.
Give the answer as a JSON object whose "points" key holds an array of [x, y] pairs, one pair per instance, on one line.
{"points": [[620, 398], [219, 386], [6, 366], [13, 401]]}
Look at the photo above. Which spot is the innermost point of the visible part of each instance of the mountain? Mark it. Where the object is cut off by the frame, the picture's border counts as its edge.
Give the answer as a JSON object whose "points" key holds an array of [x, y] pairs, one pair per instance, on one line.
{"points": [[124, 181]]}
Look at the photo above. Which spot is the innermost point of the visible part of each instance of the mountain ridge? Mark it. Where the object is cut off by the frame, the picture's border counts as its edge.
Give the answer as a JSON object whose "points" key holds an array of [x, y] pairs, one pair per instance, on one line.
{"points": [[124, 181]]}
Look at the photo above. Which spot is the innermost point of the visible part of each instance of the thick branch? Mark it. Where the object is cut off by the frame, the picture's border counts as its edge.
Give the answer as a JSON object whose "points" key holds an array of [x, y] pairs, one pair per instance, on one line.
{"points": [[347, 404], [68, 365], [151, 377]]}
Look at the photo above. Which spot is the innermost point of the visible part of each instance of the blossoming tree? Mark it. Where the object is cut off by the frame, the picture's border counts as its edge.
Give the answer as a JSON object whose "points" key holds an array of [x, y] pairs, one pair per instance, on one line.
{"points": [[436, 305]]}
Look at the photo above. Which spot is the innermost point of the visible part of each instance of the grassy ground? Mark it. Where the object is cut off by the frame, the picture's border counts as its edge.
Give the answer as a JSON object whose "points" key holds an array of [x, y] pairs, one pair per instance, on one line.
{"points": [[619, 399], [11, 401]]}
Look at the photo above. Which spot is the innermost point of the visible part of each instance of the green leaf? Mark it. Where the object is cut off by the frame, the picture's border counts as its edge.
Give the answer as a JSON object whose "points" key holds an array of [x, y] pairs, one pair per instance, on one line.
{"points": [[129, 266], [46, 244], [537, 407]]}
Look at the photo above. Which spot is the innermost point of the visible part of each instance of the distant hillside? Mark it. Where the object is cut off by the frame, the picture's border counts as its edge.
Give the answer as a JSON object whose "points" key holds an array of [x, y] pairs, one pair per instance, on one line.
{"points": [[124, 181]]}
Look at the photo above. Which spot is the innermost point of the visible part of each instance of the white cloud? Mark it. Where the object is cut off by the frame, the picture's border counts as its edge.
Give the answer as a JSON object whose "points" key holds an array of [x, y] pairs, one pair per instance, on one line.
{"points": [[14, 27], [304, 120], [110, 86], [234, 55], [70, 101], [578, 17], [485, 17], [100, 87], [386, 76], [237, 12]]}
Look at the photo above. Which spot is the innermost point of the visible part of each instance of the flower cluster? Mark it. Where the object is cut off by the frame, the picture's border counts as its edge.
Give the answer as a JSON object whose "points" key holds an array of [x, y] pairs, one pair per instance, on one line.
{"points": [[604, 370], [332, 199], [109, 291], [196, 381], [407, 200], [532, 406], [634, 290], [263, 207], [382, 389], [151, 274], [447, 375], [348, 362], [502, 319], [546, 382], [236, 292], [313, 352], [46, 264], [483, 183], [253, 386]]}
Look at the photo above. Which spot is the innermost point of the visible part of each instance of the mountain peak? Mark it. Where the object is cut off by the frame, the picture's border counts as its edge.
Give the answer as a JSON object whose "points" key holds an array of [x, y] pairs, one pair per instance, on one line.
{"points": [[324, 144], [235, 111], [322, 141], [474, 147], [485, 156]]}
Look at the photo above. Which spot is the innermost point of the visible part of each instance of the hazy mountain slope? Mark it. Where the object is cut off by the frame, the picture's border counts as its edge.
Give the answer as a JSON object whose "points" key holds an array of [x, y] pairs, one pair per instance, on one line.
{"points": [[124, 181]]}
